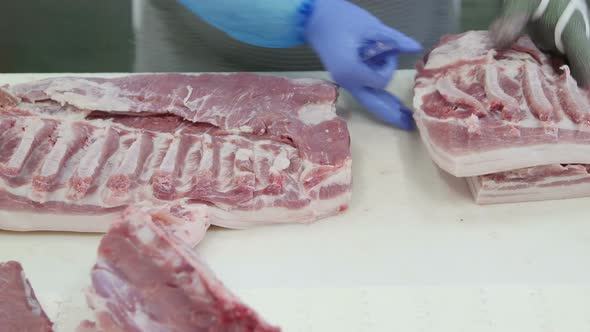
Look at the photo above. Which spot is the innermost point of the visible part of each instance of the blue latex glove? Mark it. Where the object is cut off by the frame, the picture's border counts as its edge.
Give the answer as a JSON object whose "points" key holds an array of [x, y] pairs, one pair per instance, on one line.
{"points": [[337, 30], [264, 23]]}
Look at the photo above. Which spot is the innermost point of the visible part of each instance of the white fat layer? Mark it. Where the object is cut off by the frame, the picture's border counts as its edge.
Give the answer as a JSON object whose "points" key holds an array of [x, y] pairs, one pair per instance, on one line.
{"points": [[143, 321], [35, 307], [194, 104], [96, 198], [317, 209], [314, 114], [492, 85], [244, 154], [161, 144], [281, 162], [472, 163], [226, 165], [125, 160], [488, 193], [130, 162], [30, 221], [535, 86], [471, 46], [52, 162], [343, 176], [169, 162], [145, 235], [32, 129], [188, 95], [492, 185], [190, 166], [90, 162], [62, 113], [64, 92], [510, 67], [206, 153], [505, 159]]}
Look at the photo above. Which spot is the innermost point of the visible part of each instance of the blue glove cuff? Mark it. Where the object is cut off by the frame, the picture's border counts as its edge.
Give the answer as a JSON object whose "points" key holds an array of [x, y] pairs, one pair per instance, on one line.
{"points": [[305, 11], [274, 24]]}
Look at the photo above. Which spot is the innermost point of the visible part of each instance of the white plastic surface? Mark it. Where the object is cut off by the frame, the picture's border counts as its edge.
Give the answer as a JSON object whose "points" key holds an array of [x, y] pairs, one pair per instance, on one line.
{"points": [[413, 253]]}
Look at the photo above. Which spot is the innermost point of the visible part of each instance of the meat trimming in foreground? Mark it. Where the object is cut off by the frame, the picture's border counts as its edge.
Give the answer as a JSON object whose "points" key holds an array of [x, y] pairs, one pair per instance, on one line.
{"points": [[146, 279]]}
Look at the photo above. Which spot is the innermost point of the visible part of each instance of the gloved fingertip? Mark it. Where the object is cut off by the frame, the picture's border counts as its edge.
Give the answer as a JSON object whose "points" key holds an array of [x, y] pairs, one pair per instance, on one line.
{"points": [[393, 113], [385, 107], [399, 119], [406, 111], [386, 71], [410, 46], [405, 43]]}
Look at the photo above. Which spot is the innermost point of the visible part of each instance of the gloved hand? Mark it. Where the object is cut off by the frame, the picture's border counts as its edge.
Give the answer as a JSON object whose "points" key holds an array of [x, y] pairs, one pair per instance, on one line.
{"points": [[338, 30], [554, 25]]}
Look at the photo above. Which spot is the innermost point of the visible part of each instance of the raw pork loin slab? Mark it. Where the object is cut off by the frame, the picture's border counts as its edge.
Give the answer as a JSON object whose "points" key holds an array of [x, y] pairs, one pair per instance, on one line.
{"points": [[483, 111], [532, 184], [240, 149], [19, 308], [147, 280]]}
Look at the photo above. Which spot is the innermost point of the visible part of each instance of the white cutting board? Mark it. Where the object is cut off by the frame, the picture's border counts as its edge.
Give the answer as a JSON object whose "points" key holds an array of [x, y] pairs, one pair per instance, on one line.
{"points": [[413, 253]]}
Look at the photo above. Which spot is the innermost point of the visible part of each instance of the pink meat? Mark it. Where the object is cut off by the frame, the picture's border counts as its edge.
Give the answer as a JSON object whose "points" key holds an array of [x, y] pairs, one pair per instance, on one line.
{"points": [[453, 94], [533, 113], [573, 101], [245, 147], [253, 103], [535, 93], [146, 279], [19, 308], [548, 182]]}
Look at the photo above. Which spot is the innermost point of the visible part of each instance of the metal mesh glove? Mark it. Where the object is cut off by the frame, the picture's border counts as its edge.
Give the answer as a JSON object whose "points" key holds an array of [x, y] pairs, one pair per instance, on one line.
{"points": [[555, 25]]}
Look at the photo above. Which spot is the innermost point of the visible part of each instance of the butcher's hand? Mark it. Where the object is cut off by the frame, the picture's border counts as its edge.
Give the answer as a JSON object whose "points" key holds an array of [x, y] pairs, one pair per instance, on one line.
{"points": [[554, 25], [339, 32], [344, 36]]}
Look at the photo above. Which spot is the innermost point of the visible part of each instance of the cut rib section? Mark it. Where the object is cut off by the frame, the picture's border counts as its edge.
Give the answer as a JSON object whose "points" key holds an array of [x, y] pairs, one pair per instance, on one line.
{"points": [[238, 146], [534, 113], [146, 279]]}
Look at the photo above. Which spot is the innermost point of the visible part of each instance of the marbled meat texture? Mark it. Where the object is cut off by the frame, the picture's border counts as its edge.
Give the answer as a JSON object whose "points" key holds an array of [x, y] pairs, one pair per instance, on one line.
{"points": [[482, 111], [19, 308], [253, 149], [540, 183], [147, 280]]}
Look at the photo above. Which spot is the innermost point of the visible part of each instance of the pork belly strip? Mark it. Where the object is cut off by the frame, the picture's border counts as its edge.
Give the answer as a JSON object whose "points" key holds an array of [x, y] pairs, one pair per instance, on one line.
{"points": [[550, 182], [249, 149], [146, 279], [481, 111]]}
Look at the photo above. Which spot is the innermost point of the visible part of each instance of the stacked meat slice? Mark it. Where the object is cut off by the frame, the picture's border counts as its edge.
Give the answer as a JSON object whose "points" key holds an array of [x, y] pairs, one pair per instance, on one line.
{"points": [[514, 121], [243, 149]]}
